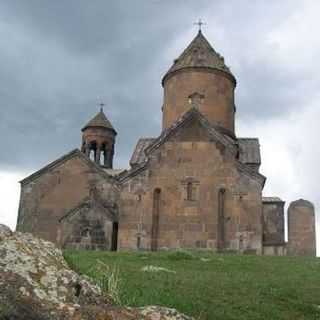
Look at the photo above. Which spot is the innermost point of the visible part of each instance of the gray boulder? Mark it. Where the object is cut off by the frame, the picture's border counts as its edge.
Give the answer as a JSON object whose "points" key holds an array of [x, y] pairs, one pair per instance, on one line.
{"points": [[36, 283]]}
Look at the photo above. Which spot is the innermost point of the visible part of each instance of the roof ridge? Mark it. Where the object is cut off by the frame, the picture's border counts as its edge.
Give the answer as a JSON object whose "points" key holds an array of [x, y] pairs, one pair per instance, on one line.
{"points": [[131, 172], [212, 129], [62, 159], [271, 199], [86, 202], [49, 166], [138, 152]]}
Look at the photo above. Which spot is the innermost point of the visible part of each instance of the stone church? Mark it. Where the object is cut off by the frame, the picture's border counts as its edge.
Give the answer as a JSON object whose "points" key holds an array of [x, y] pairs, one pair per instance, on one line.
{"points": [[197, 185]]}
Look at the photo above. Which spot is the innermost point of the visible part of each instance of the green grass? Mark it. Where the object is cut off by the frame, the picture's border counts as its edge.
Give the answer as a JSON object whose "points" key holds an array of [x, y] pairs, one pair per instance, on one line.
{"points": [[213, 286]]}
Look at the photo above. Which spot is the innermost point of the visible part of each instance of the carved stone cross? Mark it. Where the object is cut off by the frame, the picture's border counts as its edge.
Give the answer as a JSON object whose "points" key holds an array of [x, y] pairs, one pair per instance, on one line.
{"points": [[196, 99]]}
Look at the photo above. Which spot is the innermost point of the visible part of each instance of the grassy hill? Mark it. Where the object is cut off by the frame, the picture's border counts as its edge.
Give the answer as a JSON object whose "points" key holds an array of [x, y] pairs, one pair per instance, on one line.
{"points": [[206, 285]]}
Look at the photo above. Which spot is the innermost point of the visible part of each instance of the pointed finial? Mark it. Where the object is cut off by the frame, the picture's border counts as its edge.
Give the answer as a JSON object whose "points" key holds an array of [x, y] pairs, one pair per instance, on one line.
{"points": [[200, 23], [101, 104]]}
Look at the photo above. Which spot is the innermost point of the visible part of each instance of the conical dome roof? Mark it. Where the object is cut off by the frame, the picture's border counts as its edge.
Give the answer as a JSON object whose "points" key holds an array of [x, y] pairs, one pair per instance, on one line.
{"points": [[199, 53], [99, 120]]}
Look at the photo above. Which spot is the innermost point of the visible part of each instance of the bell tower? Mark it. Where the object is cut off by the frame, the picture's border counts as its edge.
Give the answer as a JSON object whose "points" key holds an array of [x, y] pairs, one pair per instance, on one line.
{"points": [[98, 140], [199, 78]]}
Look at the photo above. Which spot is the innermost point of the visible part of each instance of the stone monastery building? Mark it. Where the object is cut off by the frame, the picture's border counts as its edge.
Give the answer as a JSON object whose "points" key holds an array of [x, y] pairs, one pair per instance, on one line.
{"points": [[196, 185]]}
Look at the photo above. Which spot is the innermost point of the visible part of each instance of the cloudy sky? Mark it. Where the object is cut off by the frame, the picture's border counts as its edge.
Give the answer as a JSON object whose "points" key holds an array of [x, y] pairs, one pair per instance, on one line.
{"points": [[60, 59]]}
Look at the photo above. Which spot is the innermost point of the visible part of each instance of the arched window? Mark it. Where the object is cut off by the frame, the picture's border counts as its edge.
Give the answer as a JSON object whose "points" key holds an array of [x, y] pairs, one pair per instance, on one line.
{"points": [[155, 219], [190, 190], [221, 218]]}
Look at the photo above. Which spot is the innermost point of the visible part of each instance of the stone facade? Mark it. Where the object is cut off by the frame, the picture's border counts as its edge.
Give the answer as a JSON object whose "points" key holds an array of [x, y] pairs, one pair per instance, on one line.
{"points": [[90, 226], [197, 185], [215, 91], [221, 210], [273, 226], [48, 196]]}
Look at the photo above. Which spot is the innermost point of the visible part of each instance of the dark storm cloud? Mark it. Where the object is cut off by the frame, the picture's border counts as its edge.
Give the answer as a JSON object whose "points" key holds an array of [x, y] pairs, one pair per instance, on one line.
{"points": [[59, 59]]}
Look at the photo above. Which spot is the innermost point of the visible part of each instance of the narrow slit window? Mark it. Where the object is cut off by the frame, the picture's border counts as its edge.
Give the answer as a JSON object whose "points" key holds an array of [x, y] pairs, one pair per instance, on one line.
{"points": [[190, 193], [155, 219]]}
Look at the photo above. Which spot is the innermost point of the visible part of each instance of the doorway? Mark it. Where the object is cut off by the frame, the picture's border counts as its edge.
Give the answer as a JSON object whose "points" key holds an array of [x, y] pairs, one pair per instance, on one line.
{"points": [[114, 242]]}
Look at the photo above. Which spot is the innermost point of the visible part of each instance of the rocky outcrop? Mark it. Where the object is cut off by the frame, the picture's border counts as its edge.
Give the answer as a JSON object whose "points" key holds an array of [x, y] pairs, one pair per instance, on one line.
{"points": [[37, 284]]}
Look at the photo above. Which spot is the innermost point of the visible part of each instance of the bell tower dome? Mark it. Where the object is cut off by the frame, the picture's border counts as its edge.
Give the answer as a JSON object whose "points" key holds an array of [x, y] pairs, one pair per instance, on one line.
{"points": [[98, 140], [199, 78]]}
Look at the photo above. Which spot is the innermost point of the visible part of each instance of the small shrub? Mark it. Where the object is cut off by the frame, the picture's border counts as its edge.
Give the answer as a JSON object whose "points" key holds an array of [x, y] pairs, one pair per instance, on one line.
{"points": [[143, 255], [108, 280], [181, 255]]}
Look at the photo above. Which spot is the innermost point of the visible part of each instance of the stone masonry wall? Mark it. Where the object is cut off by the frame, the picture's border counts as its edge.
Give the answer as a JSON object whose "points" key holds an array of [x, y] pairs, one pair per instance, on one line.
{"points": [[50, 196], [273, 223], [89, 228], [215, 86], [190, 157]]}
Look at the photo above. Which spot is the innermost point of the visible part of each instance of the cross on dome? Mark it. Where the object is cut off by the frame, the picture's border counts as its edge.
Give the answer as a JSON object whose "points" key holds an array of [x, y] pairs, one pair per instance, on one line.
{"points": [[200, 23], [101, 104]]}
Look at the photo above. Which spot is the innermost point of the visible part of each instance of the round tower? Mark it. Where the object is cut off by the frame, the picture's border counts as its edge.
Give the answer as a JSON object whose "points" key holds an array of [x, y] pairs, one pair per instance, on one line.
{"points": [[199, 78], [98, 140], [301, 228]]}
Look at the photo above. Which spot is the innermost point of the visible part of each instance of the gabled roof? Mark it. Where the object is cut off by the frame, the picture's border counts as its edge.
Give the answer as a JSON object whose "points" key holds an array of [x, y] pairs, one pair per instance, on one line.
{"points": [[138, 155], [214, 131], [249, 150], [271, 199], [199, 53], [88, 203], [99, 120], [61, 160], [137, 169], [145, 146], [84, 204]]}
